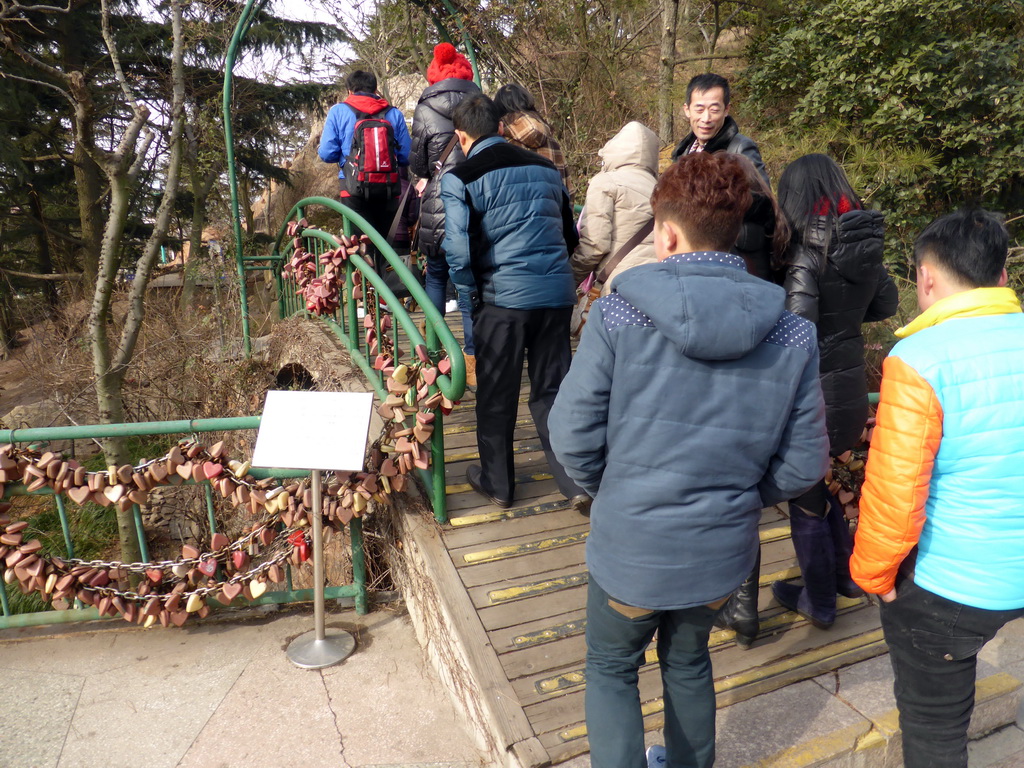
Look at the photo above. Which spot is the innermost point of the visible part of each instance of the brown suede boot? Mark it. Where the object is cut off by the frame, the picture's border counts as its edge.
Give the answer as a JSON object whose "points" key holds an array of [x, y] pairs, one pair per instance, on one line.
{"points": [[470, 370]]}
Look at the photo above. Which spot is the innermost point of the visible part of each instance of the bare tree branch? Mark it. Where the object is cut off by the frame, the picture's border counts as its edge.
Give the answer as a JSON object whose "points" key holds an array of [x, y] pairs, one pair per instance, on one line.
{"points": [[59, 277], [41, 84]]}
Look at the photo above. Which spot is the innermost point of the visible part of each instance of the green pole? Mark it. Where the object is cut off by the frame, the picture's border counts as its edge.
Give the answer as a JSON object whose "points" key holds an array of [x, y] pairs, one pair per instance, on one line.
{"points": [[229, 65], [470, 52]]}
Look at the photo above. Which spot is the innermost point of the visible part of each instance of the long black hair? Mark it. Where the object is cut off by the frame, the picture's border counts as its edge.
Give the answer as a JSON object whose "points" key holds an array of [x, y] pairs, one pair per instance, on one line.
{"points": [[514, 98], [811, 188]]}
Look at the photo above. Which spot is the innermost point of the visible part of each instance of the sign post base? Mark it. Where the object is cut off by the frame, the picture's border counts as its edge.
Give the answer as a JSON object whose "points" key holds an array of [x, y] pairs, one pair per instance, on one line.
{"points": [[309, 652]]}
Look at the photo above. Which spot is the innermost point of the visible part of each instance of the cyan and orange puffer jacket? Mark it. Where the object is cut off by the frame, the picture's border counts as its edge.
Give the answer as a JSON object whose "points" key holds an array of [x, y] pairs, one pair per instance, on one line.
{"points": [[946, 467]]}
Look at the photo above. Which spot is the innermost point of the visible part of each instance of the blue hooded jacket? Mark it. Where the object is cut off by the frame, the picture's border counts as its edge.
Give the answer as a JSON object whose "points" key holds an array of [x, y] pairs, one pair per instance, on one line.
{"points": [[509, 228], [692, 402]]}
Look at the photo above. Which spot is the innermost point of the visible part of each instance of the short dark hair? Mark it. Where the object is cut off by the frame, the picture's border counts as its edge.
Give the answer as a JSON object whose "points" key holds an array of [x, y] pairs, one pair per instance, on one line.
{"points": [[514, 98], [476, 116], [707, 194], [970, 244], [361, 81], [706, 82]]}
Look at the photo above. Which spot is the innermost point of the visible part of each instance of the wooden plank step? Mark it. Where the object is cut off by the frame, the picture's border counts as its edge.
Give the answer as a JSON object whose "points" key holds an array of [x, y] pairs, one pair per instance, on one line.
{"points": [[569, 742], [520, 479], [567, 679], [504, 572], [512, 530], [525, 446], [464, 427], [550, 606], [540, 545], [533, 492], [780, 660], [522, 591], [526, 548]]}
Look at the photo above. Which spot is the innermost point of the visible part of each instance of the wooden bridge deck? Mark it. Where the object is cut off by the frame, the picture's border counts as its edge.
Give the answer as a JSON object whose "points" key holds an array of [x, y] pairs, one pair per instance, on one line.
{"points": [[519, 578]]}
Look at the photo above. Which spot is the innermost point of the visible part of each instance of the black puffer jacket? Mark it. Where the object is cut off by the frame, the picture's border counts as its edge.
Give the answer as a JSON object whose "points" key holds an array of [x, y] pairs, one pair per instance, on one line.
{"points": [[431, 131], [852, 288]]}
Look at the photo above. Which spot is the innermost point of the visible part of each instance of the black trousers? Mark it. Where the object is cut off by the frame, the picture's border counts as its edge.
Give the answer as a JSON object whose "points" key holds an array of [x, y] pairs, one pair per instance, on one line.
{"points": [[503, 338], [933, 646], [379, 214]]}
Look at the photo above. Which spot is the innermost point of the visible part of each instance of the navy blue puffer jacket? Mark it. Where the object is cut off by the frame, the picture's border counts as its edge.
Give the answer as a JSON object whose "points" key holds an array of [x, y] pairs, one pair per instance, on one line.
{"points": [[692, 402], [509, 228]]}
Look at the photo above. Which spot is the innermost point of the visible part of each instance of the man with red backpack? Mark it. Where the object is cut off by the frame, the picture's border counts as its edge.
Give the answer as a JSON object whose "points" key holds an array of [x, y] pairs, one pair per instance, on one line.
{"points": [[369, 140]]}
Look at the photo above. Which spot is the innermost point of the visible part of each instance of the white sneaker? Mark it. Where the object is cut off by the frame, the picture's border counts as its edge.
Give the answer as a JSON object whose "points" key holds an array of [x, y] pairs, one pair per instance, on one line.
{"points": [[451, 305], [655, 756]]}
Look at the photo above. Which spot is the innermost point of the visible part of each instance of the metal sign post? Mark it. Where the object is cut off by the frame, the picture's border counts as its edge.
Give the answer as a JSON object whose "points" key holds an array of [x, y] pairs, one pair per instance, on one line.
{"points": [[315, 431], [314, 650]]}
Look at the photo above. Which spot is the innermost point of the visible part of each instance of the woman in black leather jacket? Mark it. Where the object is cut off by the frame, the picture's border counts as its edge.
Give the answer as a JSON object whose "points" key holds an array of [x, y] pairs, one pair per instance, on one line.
{"points": [[434, 151], [836, 279]]}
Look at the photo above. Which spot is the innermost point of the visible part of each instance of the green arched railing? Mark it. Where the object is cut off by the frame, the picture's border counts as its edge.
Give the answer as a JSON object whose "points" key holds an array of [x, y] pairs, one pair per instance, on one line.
{"points": [[347, 322]]}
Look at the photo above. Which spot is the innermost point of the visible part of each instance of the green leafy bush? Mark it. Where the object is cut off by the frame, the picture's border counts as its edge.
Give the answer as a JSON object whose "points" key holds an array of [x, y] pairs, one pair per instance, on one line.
{"points": [[921, 100]]}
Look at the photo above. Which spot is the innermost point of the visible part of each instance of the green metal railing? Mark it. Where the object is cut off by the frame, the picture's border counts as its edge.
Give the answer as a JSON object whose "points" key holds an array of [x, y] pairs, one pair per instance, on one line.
{"points": [[346, 325], [356, 590]]}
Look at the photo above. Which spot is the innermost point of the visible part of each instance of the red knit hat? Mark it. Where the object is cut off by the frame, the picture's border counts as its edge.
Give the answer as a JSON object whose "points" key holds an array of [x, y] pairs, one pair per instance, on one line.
{"points": [[448, 63]]}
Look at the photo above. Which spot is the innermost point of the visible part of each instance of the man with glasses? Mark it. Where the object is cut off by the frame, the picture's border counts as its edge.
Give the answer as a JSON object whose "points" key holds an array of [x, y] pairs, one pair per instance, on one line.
{"points": [[711, 127]]}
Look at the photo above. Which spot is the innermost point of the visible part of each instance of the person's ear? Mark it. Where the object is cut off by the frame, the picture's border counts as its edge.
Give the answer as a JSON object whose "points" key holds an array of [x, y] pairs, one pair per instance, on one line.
{"points": [[501, 128], [928, 281], [1003, 278]]}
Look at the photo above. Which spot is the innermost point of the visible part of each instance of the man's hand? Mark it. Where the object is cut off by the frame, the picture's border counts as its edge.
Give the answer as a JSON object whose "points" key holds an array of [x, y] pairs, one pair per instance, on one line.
{"points": [[889, 596]]}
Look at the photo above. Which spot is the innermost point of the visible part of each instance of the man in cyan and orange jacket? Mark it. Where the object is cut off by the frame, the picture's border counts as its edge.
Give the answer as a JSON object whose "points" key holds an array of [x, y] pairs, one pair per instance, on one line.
{"points": [[941, 531]]}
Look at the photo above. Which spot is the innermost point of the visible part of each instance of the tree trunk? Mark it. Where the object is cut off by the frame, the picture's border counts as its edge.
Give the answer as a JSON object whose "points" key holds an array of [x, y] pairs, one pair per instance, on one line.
{"points": [[666, 70], [43, 246], [88, 175], [201, 188], [122, 168], [6, 329]]}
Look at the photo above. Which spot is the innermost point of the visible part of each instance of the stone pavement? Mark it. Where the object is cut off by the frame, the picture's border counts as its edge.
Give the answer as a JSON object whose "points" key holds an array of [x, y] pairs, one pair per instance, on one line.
{"points": [[223, 694]]}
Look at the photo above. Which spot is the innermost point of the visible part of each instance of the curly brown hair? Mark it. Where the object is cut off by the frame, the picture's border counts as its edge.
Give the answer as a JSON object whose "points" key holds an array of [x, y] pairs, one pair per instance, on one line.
{"points": [[706, 194]]}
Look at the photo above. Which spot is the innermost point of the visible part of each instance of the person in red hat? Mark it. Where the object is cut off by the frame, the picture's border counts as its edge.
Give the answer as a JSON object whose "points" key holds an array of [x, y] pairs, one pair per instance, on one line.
{"points": [[434, 151]]}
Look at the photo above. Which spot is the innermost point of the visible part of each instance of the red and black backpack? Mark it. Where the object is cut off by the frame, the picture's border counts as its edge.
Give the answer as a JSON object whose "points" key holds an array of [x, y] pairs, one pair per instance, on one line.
{"points": [[371, 168]]}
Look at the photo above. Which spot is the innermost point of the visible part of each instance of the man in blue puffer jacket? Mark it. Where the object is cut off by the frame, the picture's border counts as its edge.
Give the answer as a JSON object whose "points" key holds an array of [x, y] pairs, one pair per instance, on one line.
{"points": [[508, 234], [693, 401]]}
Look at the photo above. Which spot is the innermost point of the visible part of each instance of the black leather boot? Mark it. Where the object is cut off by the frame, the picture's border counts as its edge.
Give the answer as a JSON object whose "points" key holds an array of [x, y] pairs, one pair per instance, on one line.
{"points": [[740, 611]]}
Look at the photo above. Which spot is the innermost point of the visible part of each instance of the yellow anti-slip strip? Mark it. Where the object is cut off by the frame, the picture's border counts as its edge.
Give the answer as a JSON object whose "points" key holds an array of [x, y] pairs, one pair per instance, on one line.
{"points": [[508, 514], [463, 406], [542, 545], [537, 588], [502, 553], [451, 458], [568, 582], [778, 533], [463, 487], [461, 429], [763, 672], [717, 639]]}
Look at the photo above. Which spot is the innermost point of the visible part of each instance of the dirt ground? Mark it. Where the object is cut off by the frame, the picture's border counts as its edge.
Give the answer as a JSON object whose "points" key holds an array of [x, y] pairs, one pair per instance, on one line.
{"points": [[18, 385]]}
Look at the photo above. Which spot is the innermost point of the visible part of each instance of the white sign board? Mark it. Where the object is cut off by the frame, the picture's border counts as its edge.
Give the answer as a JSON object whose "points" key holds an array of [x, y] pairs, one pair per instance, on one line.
{"points": [[313, 430]]}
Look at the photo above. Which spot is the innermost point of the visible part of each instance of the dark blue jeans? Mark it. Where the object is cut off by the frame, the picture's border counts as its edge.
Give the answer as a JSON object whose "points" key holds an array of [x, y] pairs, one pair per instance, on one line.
{"points": [[436, 284], [933, 646], [617, 637]]}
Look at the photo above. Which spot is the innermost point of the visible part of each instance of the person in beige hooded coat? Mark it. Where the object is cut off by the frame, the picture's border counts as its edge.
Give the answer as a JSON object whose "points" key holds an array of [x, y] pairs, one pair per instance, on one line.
{"points": [[618, 204]]}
